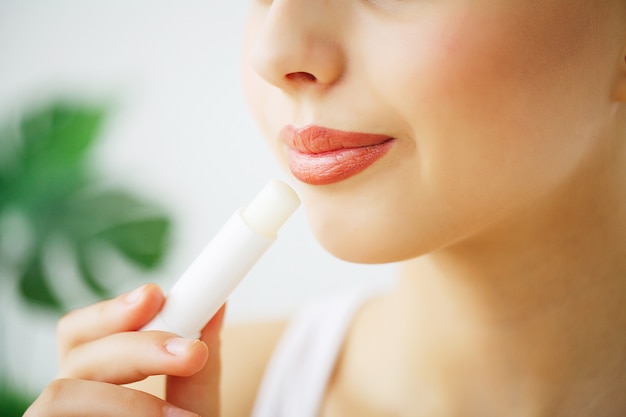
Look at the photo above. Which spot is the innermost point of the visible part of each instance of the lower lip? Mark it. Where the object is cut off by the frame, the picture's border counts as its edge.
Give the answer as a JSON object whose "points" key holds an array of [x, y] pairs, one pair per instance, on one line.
{"points": [[334, 166]]}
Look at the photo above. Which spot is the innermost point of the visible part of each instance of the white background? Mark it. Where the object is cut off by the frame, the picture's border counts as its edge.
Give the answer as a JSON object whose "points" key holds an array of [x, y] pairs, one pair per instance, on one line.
{"points": [[180, 134]]}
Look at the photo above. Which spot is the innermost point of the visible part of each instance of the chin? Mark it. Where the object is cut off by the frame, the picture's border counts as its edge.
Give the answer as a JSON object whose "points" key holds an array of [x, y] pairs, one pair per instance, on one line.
{"points": [[379, 216], [365, 243], [370, 255]]}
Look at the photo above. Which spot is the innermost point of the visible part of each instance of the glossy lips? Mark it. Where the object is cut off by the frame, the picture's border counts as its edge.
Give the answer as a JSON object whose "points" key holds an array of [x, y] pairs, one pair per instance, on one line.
{"points": [[320, 156]]}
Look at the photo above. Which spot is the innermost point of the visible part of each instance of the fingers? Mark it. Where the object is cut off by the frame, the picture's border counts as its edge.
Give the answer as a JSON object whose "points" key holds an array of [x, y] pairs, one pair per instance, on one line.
{"points": [[98, 345], [200, 392], [76, 398], [127, 357], [126, 312]]}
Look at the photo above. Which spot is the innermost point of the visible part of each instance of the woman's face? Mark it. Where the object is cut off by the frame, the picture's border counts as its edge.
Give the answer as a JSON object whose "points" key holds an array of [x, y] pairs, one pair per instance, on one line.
{"points": [[456, 114]]}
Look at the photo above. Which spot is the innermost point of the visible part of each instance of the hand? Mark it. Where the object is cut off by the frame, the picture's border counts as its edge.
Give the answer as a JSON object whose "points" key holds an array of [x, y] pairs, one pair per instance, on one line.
{"points": [[100, 349]]}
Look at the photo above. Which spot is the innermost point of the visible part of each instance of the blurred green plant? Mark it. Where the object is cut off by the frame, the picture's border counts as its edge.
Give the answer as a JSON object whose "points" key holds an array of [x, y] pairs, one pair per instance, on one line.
{"points": [[12, 402], [47, 192], [50, 193]]}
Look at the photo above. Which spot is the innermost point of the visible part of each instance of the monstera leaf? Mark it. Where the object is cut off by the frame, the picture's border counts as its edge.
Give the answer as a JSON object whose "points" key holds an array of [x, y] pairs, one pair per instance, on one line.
{"points": [[48, 192], [12, 402]]}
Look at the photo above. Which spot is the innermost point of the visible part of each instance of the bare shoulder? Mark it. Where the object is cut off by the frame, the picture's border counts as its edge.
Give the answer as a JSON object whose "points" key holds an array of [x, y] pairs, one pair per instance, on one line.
{"points": [[246, 350]]}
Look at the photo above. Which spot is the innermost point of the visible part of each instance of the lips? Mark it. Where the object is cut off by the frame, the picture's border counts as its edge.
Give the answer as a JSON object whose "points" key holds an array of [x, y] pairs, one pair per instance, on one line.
{"points": [[320, 156]]}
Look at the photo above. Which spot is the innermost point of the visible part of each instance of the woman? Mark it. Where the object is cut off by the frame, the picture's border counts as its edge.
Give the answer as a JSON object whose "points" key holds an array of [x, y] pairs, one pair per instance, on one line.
{"points": [[480, 144]]}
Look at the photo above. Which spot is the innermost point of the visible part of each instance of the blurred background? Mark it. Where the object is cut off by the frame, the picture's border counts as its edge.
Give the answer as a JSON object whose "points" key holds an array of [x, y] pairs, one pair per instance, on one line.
{"points": [[125, 143]]}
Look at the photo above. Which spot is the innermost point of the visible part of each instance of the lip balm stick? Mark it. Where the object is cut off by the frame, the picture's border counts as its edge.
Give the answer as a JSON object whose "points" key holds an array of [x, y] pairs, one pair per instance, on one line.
{"points": [[220, 267]]}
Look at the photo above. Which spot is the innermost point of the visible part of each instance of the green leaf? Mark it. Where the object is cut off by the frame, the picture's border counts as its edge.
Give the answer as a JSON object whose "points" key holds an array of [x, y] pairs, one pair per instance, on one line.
{"points": [[46, 176], [52, 154], [62, 132], [9, 143], [35, 288], [142, 241], [12, 402], [90, 212], [87, 275]]}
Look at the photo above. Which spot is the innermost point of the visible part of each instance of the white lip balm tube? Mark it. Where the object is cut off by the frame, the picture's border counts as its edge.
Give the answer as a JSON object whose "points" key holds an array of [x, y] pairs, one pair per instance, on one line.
{"points": [[225, 261]]}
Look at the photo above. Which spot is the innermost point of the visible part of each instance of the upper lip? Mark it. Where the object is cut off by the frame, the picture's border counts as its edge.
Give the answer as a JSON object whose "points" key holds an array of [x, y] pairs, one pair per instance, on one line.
{"points": [[313, 139]]}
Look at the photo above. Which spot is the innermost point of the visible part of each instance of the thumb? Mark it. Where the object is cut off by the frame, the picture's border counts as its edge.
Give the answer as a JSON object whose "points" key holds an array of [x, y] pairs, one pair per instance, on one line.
{"points": [[200, 392]]}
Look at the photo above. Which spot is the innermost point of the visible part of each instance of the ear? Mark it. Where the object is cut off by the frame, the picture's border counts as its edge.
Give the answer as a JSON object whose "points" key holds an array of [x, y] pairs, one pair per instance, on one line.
{"points": [[619, 88]]}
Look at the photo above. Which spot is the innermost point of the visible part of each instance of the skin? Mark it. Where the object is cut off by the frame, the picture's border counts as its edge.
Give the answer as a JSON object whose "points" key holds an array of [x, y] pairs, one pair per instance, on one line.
{"points": [[508, 171], [99, 349], [502, 199], [491, 106]]}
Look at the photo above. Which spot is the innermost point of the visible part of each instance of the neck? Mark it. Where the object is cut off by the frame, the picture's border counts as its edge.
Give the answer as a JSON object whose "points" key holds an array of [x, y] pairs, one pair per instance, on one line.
{"points": [[531, 312]]}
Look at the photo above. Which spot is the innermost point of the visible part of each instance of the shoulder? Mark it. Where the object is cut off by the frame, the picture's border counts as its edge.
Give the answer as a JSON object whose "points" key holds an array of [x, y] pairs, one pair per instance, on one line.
{"points": [[246, 350]]}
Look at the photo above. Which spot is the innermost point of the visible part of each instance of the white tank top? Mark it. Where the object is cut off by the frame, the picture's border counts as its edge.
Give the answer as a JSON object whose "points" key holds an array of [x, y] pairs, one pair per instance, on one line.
{"points": [[295, 380]]}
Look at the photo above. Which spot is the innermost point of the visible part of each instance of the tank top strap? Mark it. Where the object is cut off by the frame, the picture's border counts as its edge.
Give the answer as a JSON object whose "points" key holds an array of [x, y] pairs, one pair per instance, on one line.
{"points": [[298, 372]]}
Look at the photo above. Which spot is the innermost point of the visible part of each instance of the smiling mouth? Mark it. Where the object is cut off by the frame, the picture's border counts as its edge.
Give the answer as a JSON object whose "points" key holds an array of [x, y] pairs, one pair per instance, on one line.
{"points": [[319, 156]]}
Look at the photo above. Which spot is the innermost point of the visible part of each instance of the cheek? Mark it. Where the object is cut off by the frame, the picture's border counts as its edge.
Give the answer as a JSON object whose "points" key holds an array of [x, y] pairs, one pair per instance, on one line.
{"points": [[260, 99], [253, 86], [489, 122], [491, 96]]}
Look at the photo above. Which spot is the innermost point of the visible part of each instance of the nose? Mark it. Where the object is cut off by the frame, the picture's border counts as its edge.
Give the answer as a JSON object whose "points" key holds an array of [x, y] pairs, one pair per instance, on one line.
{"points": [[297, 45]]}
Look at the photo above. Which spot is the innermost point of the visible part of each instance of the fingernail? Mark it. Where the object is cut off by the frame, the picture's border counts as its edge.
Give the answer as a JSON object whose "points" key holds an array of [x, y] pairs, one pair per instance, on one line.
{"points": [[179, 345], [135, 295], [171, 411]]}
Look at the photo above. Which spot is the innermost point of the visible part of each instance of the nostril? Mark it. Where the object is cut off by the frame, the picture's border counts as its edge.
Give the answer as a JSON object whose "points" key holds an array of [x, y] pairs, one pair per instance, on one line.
{"points": [[301, 77]]}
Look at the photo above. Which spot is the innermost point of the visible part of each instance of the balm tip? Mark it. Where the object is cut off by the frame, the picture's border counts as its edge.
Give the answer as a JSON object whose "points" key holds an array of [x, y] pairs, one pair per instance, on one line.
{"points": [[271, 208]]}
